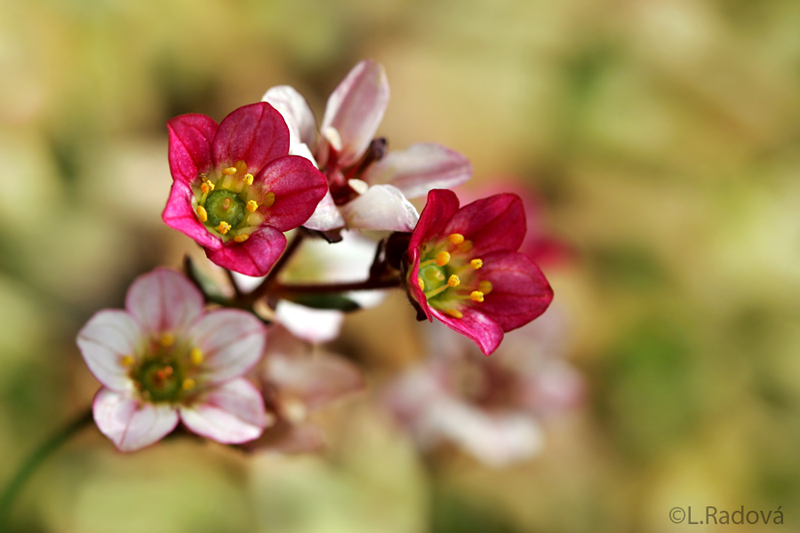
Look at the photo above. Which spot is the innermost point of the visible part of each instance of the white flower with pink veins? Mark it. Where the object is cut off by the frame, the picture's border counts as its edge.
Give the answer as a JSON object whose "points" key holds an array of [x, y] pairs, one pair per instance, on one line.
{"points": [[164, 359], [366, 189]]}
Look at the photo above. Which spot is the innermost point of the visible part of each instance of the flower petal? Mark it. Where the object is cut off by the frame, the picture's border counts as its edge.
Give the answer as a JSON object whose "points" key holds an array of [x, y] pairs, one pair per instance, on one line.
{"points": [[190, 138], [356, 107], [475, 325], [164, 301], [255, 134], [180, 215], [109, 336], [253, 257], [492, 224], [295, 110], [130, 423], [326, 215], [520, 291], [382, 207], [232, 342], [312, 325], [231, 413], [420, 168], [298, 188]]}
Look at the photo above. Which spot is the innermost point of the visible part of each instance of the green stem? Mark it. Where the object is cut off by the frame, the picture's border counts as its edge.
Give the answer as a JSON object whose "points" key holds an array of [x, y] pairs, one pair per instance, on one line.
{"points": [[30, 466]]}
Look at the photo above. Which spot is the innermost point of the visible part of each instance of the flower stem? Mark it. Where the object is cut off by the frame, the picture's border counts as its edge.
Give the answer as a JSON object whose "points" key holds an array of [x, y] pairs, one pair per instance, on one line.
{"points": [[325, 288], [33, 462], [291, 248]]}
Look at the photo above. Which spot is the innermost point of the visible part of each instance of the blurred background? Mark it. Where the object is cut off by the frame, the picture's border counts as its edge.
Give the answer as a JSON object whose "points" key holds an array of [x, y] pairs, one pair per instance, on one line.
{"points": [[661, 137]]}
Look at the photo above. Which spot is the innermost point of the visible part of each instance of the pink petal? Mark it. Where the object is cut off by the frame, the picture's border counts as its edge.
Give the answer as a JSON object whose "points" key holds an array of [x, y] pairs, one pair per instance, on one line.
{"points": [[164, 301], [520, 291], [232, 342], [231, 413], [180, 215], [312, 325], [326, 215], [420, 168], [355, 109], [298, 188], [382, 207], [253, 257], [130, 423], [255, 134], [295, 110], [109, 336], [190, 139], [492, 224], [475, 325], [315, 379]]}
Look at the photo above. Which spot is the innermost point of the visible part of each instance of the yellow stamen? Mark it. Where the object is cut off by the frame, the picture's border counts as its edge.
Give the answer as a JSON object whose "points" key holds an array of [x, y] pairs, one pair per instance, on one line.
{"points": [[188, 384], [454, 281], [485, 287], [207, 187], [248, 179], [251, 206], [202, 214], [224, 227], [241, 166], [269, 199], [476, 263], [455, 238], [127, 360], [442, 258], [465, 246], [196, 355], [167, 340], [476, 296], [421, 283], [453, 313], [229, 171], [241, 237], [434, 292]]}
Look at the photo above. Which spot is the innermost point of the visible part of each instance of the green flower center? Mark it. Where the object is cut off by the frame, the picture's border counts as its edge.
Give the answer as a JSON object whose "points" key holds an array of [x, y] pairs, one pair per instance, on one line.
{"points": [[167, 371], [224, 206]]}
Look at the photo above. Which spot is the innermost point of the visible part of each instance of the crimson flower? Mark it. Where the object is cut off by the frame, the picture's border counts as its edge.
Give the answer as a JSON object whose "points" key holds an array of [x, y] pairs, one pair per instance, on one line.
{"points": [[464, 268], [235, 188]]}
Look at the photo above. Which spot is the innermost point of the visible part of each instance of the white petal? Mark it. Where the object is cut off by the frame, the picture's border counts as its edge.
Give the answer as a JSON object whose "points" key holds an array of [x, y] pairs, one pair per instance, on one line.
{"points": [[356, 107], [382, 207], [231, 413], [232, 342], [312, 325], [303, 150], [130, 423], [109, 336], [326, 216], [296, 112], [420, 168], [164, 301]]}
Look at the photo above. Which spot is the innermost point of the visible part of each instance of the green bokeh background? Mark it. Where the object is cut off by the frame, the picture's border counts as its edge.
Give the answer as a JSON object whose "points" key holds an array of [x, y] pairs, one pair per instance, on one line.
{"points": [[663, 135]]}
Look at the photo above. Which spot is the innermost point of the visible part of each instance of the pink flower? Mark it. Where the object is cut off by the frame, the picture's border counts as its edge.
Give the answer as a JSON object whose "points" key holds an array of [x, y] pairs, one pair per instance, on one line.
{"points": [[164, 358], [367, 190], [235, 188], [464, 268]]}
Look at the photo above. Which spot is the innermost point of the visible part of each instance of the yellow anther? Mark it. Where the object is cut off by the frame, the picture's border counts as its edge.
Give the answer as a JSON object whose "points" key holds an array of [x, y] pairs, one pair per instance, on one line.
{"points": [[196, 355], [251, 206], [442, 258], [229, 171], [476, 263], [269, 199], [207, 187], [188, 384], [453, 280], [485, 287], [476, 296], [248, 179], [127, 360], [455, 238], [167, 340], [241, 237], [421, 283], [202, 214], [224, 227], [465, 246], [453, 313]]}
